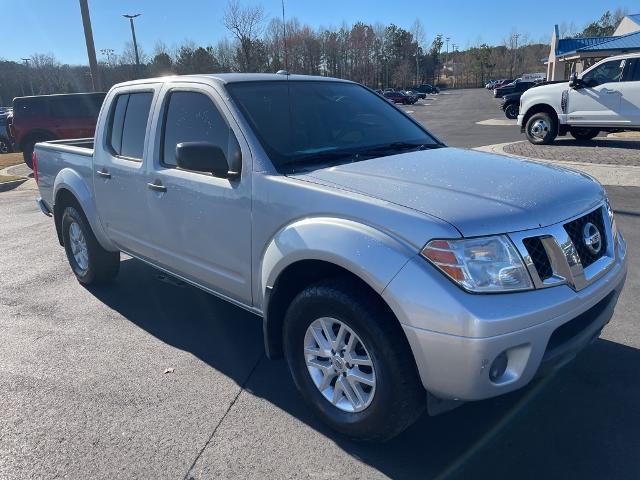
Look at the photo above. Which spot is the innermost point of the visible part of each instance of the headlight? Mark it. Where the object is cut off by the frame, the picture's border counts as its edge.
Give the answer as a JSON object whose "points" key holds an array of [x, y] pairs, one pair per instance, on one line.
{"points": [[482, 265]]}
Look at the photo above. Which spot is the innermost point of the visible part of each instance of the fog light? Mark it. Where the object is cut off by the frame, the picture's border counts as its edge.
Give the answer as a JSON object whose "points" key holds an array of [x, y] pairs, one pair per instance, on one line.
{"points": [[498, 367]]}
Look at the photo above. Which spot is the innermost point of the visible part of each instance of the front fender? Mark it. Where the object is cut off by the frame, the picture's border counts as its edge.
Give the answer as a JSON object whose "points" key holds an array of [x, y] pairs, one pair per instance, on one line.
{"points": [[368, 253], [73, 182]]}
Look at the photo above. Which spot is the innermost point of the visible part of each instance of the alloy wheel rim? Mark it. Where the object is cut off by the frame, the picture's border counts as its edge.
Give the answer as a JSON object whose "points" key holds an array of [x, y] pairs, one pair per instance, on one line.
{"points": [[339, 364], [79, 246]]}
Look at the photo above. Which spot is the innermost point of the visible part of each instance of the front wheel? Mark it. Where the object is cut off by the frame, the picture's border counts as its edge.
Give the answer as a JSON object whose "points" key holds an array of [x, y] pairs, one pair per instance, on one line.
{"points": [[583, 133], [541, 129], [351, 362], [90, 263], [511, 111]]}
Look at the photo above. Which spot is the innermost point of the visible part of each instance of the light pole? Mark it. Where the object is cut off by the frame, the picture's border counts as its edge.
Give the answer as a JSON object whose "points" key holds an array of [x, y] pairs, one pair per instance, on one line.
{"points": [[515, 53], [108, 52], [133, 34], [26, 64], [453, 63]]}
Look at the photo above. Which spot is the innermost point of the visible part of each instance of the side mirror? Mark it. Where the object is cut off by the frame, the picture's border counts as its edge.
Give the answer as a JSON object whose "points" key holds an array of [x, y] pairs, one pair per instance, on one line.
{"points": [[204, 157], [574, 81]]}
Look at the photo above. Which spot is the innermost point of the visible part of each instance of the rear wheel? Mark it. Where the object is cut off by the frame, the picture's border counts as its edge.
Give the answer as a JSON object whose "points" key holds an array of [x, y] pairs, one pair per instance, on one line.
{"points": [[541, 129], [351, 362], [583, 133], [5, 146], [511, 111], [90, 263]]}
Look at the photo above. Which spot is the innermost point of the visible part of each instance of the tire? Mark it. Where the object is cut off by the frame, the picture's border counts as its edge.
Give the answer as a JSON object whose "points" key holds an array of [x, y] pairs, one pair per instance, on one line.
{"points": [[511, 111], [96, 265], [5, 146], [541, 129], [397, 397], [583, 133]]}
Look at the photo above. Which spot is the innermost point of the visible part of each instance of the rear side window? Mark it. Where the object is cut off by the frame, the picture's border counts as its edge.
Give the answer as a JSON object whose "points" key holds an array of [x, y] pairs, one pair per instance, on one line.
{"points": [[128, 124], [30, 108], [192, 117], [634, 70]]}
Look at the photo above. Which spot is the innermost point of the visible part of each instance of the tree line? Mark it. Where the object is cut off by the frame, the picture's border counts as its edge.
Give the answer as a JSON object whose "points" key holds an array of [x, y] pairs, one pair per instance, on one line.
{"points": [[377, 55]]}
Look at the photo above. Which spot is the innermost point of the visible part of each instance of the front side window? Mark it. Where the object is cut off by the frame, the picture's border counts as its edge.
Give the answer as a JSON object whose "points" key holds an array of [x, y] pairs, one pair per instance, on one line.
{"points": [[128, 124], [606, 73], [633, 69], [192, 117], [303, 123]]}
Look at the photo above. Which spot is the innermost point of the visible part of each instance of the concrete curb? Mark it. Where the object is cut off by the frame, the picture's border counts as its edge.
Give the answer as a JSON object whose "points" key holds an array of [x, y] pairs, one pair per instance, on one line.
{"points": [[6, 186], [615, 175]]}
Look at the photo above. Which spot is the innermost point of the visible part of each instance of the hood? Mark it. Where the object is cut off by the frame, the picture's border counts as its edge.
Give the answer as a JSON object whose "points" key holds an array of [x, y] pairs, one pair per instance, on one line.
{"points": [[478, 193], [548, 89]]}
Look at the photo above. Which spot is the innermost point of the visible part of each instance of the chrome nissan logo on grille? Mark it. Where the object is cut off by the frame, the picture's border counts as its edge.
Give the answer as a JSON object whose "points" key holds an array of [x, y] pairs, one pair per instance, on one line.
{"points": [[591, 238]]}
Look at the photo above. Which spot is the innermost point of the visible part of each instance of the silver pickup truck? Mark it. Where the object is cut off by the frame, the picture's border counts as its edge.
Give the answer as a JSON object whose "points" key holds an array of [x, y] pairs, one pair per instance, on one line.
{"points": [[393, 273]]}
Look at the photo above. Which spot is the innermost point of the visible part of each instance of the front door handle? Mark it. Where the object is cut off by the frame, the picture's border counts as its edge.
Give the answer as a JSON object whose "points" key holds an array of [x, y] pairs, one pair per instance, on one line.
{"points": [[158, 187], [103, 173], [609, 92]]}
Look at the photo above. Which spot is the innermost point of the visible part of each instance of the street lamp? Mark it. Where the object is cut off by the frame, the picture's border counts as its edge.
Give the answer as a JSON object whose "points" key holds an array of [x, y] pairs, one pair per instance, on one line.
{"points": [[27, 64], [133, 34]]}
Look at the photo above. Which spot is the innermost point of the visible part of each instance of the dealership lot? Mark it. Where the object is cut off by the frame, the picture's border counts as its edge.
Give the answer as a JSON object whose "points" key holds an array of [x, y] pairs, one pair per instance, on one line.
{"points": [[152, 378]]}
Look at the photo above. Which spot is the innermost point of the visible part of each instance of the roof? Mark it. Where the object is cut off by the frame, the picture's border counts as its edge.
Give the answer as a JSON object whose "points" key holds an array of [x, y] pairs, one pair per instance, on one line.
{"points": [[226, 78], [634, 18], [630, 41]]}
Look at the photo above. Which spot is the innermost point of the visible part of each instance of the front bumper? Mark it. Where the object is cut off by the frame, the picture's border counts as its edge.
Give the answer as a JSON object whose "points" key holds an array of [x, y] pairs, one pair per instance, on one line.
{"points": [[455, 336]]}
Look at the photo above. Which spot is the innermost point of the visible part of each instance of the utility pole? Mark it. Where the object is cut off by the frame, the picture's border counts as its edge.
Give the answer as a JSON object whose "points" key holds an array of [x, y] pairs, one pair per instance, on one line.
{"points": [[453, 63], [91, 49], [515, 53], [284, 39], [26, 64], [135, 43], [447, 40]]}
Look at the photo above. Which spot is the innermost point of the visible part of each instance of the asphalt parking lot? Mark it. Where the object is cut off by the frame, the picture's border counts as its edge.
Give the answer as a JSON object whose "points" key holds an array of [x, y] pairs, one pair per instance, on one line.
{"points": [[149, 378]]}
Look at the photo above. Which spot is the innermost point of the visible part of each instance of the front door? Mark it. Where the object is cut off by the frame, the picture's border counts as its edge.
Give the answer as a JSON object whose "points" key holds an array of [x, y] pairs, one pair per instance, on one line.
{"points": [[200, 224], [598, 101], [119, 170]]}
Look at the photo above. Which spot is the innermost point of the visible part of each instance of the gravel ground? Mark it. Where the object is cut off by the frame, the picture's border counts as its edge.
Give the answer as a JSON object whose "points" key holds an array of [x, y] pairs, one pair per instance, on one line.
{"points": [[601, 151]]}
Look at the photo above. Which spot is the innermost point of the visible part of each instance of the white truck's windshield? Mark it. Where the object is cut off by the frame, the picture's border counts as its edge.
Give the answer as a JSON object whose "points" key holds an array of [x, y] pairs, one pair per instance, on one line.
{"points": [[304, 123]]}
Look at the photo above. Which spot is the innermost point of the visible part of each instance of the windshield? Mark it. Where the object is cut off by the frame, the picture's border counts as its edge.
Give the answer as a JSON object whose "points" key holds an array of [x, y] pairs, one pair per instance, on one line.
{"points": [[302, 124]]}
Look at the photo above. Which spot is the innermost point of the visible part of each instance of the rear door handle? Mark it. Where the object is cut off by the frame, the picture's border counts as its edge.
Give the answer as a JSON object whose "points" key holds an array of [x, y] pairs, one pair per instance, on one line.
{"points": [[103, 173], [158, 187]]}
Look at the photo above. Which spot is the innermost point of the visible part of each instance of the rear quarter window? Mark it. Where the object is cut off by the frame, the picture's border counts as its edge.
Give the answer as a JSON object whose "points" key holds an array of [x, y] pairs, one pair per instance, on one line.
{"points": [[128, 124]]}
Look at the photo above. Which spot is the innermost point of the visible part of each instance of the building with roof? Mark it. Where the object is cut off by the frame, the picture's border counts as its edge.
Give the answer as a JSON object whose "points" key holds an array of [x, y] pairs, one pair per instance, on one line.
{"points": [[569, 55]]}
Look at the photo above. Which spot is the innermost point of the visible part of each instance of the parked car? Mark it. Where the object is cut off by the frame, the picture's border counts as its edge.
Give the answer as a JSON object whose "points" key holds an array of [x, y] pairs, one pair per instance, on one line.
{"points": [[511, 105], [389, 270], [516, 86], [5, 138], [426, 88], [604, 98], [502, 83], [53, 117], [420, 95], [401, 97]]}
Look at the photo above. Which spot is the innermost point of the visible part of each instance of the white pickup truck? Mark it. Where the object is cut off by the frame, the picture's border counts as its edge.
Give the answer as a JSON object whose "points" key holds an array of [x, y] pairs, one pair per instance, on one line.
{"points": [[392, 272], [604, 98]]}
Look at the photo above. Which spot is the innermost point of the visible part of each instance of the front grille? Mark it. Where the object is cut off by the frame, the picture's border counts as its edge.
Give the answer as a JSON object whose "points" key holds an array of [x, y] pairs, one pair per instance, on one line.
{"points": [[539, 257], [574, 229]]}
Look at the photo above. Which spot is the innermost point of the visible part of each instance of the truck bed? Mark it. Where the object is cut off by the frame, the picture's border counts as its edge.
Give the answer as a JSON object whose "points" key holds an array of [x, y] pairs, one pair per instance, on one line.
{"points": [[54, 156]]}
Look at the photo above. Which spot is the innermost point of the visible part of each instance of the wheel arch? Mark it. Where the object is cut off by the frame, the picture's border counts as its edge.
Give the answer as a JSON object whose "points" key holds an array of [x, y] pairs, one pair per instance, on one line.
{"points": [[314, 249], [70, 188], [538, 108]]}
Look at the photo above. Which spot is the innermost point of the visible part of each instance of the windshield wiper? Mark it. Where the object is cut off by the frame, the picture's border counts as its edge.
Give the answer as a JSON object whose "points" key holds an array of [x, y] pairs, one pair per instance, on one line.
{"points": [[320, 158], [396, 147]]}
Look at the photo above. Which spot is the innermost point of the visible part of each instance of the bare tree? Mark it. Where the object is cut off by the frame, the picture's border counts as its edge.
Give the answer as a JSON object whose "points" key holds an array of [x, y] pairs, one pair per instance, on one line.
{"points": [[245, 23], [417, 30]]}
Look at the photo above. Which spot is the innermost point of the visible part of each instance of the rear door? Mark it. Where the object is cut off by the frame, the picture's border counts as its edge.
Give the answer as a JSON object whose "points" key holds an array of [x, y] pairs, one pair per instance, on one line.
{"points": [[200, 225], [121, 153], [598, 102], [630, 93]]}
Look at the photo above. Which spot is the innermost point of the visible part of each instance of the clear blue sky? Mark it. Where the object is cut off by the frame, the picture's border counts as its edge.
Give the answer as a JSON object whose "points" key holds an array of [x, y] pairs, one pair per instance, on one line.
{"points": [[54, 26]]}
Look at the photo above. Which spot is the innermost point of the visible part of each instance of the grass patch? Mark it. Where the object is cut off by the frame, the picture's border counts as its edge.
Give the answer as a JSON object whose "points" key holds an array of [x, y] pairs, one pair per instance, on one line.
{"points": [[10, 159]]}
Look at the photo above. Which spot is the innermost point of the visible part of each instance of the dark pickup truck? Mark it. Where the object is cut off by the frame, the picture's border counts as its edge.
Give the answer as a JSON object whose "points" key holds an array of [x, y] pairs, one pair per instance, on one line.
{"points": [[53, 117]]}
